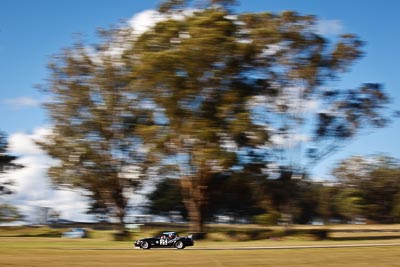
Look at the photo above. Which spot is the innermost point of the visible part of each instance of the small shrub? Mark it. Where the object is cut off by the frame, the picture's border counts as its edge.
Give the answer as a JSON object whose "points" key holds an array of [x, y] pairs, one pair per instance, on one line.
{"points": [[219, 236], [199, 236], [266, 218], [319, 234], [122, 236]]}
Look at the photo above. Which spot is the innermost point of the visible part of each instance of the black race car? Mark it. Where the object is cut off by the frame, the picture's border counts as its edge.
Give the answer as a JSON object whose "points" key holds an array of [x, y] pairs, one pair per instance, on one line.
{"points": [[166, 239]]}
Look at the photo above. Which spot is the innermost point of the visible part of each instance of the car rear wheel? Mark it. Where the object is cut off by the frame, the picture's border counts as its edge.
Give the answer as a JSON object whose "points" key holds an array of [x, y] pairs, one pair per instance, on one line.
{"points": [[179, 245], [145, 245]]}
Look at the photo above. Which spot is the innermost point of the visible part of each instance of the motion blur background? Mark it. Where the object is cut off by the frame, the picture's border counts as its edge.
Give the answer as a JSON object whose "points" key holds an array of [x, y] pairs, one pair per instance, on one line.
{"points": [[208, 117]]}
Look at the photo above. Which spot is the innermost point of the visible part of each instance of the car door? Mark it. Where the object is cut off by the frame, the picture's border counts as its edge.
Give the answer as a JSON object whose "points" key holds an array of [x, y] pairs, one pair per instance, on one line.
{"points": [[163, 241]]}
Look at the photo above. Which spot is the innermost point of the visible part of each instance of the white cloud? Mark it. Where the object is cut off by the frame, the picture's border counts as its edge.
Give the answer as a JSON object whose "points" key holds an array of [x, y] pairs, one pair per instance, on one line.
{"points": [[289, 140], [329, 27], [23, 144], [22, 102], [145, 20], [139, 23], [32, 186], [311, 105], [272, 49]]}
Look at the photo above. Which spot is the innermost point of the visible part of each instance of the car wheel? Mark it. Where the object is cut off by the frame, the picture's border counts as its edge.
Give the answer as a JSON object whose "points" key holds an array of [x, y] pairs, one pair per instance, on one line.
{"points": [[145, 245], [179, 245]]}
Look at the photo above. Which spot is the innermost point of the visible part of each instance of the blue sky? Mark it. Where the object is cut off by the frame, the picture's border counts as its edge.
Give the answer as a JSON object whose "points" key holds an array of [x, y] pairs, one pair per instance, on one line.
{"points": [[31, 31]]}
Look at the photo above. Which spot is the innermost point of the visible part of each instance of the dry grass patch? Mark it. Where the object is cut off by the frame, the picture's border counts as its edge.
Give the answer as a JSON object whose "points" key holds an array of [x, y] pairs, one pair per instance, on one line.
{"points": [[355, 257]]}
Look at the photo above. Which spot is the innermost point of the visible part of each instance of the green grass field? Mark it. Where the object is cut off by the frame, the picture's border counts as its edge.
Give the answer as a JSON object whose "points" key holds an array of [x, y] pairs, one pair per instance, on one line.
{"points": [[20, 247]]}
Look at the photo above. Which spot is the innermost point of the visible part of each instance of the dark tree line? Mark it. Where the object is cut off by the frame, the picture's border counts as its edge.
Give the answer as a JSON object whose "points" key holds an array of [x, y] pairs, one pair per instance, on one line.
{"points": [[6, 164], [366, 189], [7, 212]]}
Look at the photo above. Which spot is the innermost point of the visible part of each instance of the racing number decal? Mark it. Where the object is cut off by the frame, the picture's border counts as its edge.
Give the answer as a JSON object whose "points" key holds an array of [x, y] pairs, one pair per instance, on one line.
{"points": [[163, 242]]}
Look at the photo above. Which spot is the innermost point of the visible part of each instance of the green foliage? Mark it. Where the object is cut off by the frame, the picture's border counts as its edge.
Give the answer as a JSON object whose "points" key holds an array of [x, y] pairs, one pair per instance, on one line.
{"points": [[233, 195], [171, 5], [9, 213], [122, 236], [372, 187], [349, 203], [227, 195], [6, 164], [93, 136], [267, 218], [166, 198]]}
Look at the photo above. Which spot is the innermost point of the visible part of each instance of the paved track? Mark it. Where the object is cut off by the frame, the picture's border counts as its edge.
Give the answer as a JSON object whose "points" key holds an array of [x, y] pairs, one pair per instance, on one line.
{"points": [[301, 247], [256, 248]]}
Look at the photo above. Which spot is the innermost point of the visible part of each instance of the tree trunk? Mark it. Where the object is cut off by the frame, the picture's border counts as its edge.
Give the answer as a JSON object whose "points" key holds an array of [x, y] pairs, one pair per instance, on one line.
{"points": [[195, 217], [194, 200], [121, 222], [120, 203]]}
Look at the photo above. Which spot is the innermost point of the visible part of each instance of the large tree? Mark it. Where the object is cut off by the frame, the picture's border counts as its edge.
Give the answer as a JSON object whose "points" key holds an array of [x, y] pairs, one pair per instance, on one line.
{"points": [[93, 135], [205, 91], [234, 86]]}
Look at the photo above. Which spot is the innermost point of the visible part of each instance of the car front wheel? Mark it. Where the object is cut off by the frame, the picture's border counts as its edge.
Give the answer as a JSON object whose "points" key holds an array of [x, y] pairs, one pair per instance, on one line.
{"points": [[179, 245], [145, 245]]}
